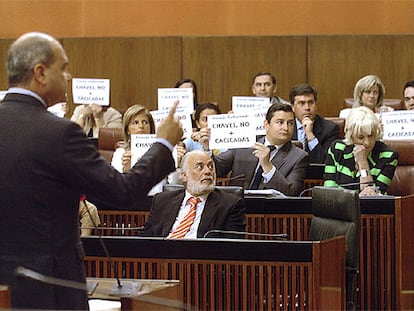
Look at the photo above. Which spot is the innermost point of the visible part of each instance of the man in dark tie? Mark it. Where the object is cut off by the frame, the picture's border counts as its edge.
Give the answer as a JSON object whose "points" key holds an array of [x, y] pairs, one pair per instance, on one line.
{"points": [[46, 164], [274, 159], [314, 132], [193, 211]]}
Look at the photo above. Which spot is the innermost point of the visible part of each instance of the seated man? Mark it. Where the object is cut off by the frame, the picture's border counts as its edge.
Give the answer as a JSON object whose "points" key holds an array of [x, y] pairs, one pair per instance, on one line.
{"points": [[315, 132], [264, 85], [274, 159], [199, 208], [408, 93]]}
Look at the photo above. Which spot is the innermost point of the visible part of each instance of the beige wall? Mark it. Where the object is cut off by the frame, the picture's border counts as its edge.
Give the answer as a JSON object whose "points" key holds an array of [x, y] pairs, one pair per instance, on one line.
{"points": [[115, 18], [145, 44]]}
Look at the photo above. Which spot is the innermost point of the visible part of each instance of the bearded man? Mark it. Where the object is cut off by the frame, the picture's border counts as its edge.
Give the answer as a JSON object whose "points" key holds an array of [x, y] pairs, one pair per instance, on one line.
{"points": [[199, 207]]}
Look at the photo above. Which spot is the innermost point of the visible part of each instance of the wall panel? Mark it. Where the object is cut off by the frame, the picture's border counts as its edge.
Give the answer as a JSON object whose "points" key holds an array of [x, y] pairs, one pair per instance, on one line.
{"points": [[136, 66], [224, 66], [336, 63]]}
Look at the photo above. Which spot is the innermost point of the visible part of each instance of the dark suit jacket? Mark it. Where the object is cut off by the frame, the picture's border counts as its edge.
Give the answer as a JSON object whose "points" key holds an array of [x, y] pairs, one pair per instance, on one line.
{"points": [[46, 164], [326, 132], [222, 211], [290, 161]]}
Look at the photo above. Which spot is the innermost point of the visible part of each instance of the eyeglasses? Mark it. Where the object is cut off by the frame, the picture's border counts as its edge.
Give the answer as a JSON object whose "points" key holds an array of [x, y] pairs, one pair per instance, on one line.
{"points": [[408, 99]]}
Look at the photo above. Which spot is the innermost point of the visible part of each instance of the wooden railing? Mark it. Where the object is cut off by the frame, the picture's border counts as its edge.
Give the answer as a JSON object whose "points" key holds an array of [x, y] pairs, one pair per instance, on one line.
{"points": [[231, 275], [385, 232]]}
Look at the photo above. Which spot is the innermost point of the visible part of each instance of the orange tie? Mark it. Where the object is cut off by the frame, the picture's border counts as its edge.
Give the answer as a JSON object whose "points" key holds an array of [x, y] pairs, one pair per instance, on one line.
{"points": [[187, 221]]}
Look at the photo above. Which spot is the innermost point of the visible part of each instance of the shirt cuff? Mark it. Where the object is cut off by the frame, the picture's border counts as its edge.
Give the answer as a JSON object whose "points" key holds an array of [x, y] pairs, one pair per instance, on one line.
{"points": [[312, 143], [268, 176], [165, 142]]}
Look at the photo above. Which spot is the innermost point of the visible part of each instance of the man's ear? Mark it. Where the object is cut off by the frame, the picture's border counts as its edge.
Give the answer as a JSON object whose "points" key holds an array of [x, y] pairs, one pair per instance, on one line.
{"points": [[39, 75], [266, 124], [183, 176], [275, 89]]}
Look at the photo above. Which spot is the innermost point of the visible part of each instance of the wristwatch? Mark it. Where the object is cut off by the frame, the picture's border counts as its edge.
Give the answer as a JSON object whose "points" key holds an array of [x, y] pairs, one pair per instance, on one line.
{"points": [[364, 172]]}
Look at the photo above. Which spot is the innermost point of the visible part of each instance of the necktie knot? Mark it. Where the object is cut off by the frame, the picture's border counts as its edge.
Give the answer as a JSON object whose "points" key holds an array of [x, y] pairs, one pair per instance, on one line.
{"points": [[194, 201]]}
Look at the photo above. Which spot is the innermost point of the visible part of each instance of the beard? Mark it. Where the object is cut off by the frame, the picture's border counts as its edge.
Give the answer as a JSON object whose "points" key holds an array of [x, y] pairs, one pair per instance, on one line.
{"points": [[201, 187]]}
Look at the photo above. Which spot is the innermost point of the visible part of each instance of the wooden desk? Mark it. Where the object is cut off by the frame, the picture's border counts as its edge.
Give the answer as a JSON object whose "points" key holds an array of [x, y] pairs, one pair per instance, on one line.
{"points": [[222, 274], [386, 278]]}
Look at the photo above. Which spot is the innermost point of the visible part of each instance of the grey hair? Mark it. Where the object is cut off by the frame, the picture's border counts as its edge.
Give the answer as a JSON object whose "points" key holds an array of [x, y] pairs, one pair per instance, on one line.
{"points": [[361, 119], [24, 53]]}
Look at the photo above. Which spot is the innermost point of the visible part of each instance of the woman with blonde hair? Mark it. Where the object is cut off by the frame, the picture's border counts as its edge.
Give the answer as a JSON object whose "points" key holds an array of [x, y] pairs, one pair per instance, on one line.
{"points": [[137, 120], [361, 160], [369, 92]]}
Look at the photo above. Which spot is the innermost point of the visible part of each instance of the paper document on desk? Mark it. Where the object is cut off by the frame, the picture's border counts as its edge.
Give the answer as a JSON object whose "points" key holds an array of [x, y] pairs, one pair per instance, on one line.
{"points": [[265, 193]]}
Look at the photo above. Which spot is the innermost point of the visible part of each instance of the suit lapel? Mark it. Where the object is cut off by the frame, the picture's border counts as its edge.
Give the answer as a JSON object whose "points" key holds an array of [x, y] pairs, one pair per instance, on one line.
{"points": [[280, 158], [173, 209], [210, 209]]}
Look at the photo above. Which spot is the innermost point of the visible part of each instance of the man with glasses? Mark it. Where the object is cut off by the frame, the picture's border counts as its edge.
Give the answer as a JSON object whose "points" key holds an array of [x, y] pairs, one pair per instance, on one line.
{"points": [[408, 93], [315, 132]]}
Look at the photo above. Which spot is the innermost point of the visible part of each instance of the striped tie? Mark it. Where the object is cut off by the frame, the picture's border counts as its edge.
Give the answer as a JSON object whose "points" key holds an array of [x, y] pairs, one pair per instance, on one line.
{"points": [[187, 221]]}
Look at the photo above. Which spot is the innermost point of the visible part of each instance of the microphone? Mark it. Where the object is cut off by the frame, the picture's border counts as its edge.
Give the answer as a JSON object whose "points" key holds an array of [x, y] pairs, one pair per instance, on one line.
{"points": [[111, 263], [341, 185], [283, 236]]}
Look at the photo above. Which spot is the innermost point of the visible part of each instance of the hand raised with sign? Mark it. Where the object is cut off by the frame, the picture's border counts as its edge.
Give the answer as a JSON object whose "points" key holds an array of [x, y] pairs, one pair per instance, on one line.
{"points": [[170, 128], [263, 153]]}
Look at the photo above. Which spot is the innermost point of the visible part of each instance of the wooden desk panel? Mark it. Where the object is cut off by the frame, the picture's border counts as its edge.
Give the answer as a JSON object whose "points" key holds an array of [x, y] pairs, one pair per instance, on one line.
{"points": [[219, 274], [386, 278]]}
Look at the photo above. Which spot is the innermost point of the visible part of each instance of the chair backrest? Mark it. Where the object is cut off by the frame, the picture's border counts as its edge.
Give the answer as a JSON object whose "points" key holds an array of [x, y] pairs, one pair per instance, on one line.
{"points": [[403, 181], [107, 139], [341, 125], [395, 103], [236, 190], [336, 212]]}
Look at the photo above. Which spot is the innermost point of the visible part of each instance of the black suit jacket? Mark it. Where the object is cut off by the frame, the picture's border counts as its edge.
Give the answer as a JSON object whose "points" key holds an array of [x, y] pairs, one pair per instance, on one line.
{"points": [[46, 164], [326, 132], [222, 211], [290, 161]]}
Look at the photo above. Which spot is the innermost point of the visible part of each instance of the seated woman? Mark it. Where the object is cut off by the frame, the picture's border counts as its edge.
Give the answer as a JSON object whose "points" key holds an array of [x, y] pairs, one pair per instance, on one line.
{"points": [[92, 117], [200, 118], [361, 158], [137, 120], [369, 92]]}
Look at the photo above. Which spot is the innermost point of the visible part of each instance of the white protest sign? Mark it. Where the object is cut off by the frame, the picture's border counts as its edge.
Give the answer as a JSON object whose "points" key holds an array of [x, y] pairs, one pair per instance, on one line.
{"points": [[167, 96], [398, 125], [140, 143], [230, 131], [256, 107], [183, 116], [91, 91]]}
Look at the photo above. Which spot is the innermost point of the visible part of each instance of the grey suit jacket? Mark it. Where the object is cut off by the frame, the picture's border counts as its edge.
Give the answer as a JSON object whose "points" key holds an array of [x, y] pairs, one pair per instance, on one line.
{"points": [[46, 164], [222, 211], [290, 162]]}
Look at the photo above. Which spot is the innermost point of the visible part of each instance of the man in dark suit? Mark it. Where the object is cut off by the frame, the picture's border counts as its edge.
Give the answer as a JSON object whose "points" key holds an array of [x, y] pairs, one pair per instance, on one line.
{"points": [[216, 210], [315, 132], [274, 159], [46, 164]]}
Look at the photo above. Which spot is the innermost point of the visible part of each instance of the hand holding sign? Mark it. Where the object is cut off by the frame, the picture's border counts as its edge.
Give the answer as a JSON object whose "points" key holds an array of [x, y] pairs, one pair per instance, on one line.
{"points": [[170, 128]]}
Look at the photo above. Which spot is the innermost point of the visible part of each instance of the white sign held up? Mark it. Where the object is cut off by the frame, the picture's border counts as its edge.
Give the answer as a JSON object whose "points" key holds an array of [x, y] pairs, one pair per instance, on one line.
{"points": [[398, 125], [256, 107], [91, 91], [230, 131]]}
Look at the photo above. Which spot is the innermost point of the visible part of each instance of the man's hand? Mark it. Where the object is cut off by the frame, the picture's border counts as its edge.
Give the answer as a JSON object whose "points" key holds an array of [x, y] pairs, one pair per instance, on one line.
{"points": [[263, 153], [170, 128], [307, 124]]}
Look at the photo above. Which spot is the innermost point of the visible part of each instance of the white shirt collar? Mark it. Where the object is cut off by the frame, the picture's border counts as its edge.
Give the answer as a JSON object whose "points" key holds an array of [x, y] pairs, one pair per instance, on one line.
{"points": [[20, 90]]}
